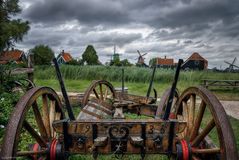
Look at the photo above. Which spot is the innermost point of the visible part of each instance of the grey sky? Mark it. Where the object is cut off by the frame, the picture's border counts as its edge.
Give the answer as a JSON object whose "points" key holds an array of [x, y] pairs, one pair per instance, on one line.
{"points": [[175, 28]]}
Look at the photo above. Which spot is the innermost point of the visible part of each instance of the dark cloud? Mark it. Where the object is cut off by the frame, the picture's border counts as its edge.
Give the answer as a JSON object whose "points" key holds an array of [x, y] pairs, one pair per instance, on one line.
{"points": [[87, 12], [188, 42], [175, 28]]}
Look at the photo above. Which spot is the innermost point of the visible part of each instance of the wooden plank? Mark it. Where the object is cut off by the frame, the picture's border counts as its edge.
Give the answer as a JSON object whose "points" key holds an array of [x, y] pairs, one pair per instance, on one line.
{"points": [[22, 71]]}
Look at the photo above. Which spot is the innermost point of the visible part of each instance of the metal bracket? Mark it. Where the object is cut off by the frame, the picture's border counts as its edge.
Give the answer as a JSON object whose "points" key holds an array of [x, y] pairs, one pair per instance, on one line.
{"points": [[143, 136], [67, 137], [94, 136]]}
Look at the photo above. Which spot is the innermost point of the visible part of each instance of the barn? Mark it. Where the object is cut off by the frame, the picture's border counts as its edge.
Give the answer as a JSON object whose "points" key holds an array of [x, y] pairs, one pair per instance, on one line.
{"points": [[64, 58], [195, 62], [165, 62]]}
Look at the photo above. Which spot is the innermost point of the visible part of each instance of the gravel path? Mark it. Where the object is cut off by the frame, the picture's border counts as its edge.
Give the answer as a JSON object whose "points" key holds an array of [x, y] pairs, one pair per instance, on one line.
{"points": [[231, 108]]}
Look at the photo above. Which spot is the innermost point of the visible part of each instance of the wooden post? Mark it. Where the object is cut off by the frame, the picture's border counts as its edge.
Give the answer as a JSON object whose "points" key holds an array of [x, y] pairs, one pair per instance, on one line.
{"points": [[30, 65]]}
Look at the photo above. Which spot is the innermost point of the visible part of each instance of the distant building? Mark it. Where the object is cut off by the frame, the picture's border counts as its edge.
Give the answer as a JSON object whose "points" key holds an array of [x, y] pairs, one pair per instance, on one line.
{"points": [[13, 55], [64, 57], [165, 62], [195, 62]]}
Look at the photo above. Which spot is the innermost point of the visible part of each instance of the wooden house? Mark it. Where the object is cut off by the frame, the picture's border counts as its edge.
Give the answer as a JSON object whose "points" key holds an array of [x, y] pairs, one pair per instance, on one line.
{"points": [[15, 56], [64, 57], [165, 62], [195, 62]]}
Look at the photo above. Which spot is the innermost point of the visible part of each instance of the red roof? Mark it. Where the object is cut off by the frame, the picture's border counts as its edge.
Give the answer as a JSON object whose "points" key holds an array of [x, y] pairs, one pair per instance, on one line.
{"points": [[66, 56], [164, 61], [196, 56], [13, 55]]}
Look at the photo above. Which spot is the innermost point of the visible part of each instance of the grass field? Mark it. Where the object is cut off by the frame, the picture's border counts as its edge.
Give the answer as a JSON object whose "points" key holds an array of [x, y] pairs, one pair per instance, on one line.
{"points": [[137, 79], [132, 74], [138, 88]]}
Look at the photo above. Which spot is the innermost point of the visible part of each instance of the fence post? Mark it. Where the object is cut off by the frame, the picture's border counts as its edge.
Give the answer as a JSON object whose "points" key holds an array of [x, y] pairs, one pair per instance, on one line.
{"points": [[30, 65]]}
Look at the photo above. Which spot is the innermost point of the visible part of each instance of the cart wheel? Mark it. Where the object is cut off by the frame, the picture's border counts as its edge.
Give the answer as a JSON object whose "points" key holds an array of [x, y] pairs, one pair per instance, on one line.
{"points": [[101, 90], [163, 102], [208, 130], [29, 133], [24, 85]]}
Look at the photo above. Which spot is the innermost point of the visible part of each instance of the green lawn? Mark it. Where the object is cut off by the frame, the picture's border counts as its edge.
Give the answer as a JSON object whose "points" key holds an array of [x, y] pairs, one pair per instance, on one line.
{"points": [[138, 88]]}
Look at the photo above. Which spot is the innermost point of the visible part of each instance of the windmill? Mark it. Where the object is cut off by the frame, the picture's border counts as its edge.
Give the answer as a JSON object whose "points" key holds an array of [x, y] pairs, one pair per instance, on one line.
{"points": [[141, 58], [115, 57], [231, 65]]}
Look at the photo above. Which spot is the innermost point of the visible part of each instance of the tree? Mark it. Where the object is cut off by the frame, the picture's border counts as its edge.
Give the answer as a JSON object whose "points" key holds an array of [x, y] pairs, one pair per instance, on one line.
{"points": [[118, 62], [11, 30], [152, 62], [125, 62], [115, 62], [90, 56], [75, 62], [42, 55]]}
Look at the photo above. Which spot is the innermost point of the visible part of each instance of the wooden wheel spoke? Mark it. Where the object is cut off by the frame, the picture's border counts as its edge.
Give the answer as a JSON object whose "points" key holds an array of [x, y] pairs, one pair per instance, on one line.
{"points": [[96, 94], [185, 111], [45, 114], [106, 93], [206, 151], [52, 116], [198, 120], [101, 92], [185, 117], [173, 104], [194, 157], [34, 134], [204, 133], [39, 120], [29, 153], [191, 112]]}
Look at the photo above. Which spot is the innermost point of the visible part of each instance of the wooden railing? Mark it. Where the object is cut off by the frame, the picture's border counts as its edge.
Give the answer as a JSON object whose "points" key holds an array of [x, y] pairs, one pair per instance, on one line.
{"points": [[220, 83], [29, 70]]}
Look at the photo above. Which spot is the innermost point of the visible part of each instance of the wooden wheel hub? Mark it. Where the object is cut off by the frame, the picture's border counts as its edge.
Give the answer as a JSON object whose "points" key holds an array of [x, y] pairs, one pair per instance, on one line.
{"points": [[184, 151], [56, 150]]}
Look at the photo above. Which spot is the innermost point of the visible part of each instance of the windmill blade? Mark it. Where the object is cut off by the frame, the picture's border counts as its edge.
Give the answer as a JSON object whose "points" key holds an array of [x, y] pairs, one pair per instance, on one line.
{"points": [[235, 66], [138, 52], [144, 54], [227, 62], [234, 60]]}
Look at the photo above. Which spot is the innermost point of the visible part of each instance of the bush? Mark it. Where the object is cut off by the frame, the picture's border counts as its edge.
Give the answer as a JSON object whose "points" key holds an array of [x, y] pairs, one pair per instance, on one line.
{"points": [[8, 99], [7, 102]]}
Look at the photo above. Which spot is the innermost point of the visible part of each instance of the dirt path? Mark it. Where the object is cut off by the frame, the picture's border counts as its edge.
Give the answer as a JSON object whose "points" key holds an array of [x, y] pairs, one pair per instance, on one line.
{"points": [[231, 108]]}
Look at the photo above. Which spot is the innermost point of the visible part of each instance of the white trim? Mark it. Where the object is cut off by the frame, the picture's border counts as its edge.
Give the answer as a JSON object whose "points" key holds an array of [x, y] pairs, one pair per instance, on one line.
{"points": [[62, 58]]}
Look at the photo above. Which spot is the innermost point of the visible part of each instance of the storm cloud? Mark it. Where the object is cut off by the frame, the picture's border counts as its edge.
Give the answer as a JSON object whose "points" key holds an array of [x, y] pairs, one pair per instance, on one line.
{"points": [[175, 28]]}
